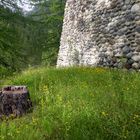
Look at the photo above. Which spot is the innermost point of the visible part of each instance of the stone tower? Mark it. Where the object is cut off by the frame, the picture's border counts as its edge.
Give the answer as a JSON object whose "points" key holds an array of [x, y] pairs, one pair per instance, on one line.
{"points": [[101, 33]]}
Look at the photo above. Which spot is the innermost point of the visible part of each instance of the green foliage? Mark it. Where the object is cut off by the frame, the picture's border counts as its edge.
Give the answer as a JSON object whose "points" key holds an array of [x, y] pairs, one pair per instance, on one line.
{"points": [[30, 39], [10, 48], [50, 16], [12, 35], [78, 104]]}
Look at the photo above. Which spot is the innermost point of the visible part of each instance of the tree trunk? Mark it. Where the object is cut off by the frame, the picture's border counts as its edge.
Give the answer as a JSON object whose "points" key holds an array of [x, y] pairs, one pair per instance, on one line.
{"points": [[14, 100]]}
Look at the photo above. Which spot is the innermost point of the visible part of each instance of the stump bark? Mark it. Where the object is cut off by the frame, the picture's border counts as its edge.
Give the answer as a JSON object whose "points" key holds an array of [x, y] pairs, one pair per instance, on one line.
{"points": [[14, 100]]}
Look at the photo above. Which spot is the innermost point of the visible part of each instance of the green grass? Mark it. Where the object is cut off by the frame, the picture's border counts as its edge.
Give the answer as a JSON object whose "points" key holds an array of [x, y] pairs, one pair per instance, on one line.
{"points": [[78, 104]]}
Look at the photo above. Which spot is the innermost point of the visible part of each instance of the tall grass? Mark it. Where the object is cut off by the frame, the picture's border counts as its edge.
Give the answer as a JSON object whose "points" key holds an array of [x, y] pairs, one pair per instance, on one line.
{"points": [[78, 104]]}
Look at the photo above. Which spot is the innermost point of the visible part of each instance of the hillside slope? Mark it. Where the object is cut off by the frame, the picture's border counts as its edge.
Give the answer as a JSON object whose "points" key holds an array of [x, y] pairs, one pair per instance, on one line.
{"points": [[77, 104]]}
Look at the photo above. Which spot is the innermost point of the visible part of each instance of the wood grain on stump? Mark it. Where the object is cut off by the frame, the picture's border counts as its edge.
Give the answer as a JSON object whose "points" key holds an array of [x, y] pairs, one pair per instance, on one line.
{"points": [[14, 100]]}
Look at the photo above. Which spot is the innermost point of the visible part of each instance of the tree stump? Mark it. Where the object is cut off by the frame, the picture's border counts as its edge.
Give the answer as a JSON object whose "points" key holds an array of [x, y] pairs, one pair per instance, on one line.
{"points": [[14, 100]]}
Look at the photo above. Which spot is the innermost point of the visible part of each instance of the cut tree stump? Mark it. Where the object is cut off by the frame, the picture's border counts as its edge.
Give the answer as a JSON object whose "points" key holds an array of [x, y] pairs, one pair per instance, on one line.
{"points": [[14, 100]]}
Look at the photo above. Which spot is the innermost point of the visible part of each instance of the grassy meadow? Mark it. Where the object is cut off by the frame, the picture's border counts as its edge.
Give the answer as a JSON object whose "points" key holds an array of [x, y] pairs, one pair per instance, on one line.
{"points": [[77, 104]]}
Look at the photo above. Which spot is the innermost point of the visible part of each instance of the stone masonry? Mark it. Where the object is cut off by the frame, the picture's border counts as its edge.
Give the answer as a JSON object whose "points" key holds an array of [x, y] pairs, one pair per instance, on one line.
{"points": [[101, 33]]}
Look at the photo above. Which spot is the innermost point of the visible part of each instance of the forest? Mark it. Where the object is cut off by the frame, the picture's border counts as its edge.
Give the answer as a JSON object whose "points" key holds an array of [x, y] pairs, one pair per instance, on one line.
{"points": [[29, 37]]}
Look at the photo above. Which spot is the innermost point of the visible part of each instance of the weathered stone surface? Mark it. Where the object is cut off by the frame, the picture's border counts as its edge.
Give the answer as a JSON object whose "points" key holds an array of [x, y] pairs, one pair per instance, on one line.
{"points": [[135, 65], [127, 1], [138, 29], [129, 55], [136, 8], [136, 58], [95, 33], [14, 100]]}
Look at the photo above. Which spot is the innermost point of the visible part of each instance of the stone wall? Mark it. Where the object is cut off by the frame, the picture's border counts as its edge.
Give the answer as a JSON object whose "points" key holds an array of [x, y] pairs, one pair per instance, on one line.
{"points": [[101, 33]]}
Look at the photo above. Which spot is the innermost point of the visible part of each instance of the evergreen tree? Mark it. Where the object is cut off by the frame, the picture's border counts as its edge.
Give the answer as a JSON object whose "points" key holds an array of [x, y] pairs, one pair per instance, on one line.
{"points": [[32, 38]]}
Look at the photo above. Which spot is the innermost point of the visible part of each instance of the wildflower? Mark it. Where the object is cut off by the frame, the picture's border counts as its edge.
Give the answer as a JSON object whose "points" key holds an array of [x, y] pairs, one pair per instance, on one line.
{"points": [[136, 116], [45, 88], [17, 131], [124, 137], [100, 70], [9, 134], [34, 120], [104, 113], [2, 137]]}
